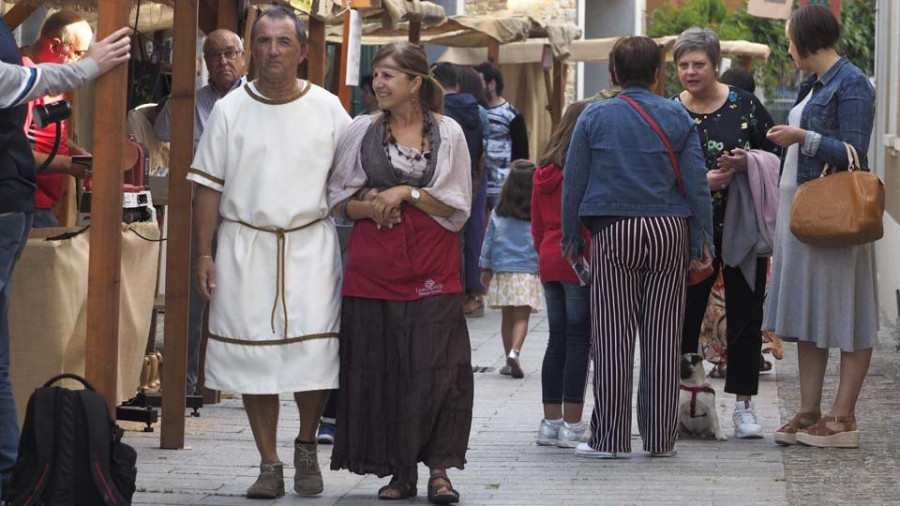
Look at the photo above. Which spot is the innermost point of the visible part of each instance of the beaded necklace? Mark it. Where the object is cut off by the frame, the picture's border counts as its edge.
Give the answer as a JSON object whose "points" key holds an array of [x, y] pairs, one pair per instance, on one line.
{"points": [[389, 139]]}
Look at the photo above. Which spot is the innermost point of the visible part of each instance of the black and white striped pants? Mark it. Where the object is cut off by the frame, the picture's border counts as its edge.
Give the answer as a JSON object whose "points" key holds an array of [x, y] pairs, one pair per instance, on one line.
{"points": [[639, 269]]}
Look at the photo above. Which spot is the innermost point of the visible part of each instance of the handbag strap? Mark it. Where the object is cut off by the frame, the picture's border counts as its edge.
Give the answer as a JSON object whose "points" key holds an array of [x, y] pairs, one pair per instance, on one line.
{"points": [[661, 135], [853, 162]]}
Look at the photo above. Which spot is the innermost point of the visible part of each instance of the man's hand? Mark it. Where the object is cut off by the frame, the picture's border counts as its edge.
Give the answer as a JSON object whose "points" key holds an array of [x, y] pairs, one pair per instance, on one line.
{"points": [[205, 275], [736, 161], [111, 51], [784, 135], [719, 179], [485, 278]]}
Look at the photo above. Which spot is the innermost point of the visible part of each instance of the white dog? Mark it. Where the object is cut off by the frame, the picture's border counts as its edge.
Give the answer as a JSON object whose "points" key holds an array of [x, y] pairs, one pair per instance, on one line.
{"points": [[697, 417]]}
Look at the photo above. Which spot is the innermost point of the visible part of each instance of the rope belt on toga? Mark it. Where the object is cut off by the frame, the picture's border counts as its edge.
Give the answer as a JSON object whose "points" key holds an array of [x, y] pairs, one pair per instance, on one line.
{"points": [[280, 251]]}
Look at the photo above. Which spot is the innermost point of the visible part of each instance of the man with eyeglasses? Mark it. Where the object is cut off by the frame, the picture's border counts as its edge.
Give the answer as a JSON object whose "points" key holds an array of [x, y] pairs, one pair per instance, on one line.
{"points": [[64, 38], [224, 56]]}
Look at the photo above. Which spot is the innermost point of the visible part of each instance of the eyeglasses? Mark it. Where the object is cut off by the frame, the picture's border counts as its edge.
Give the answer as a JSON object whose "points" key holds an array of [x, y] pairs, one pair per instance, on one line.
{"points": [[229, 54]]}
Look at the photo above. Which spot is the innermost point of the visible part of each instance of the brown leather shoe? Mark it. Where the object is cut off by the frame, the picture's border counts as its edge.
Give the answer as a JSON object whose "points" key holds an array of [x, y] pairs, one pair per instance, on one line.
{"points": [[307, 475], [787, 434], [842, 433], [270, 483]]}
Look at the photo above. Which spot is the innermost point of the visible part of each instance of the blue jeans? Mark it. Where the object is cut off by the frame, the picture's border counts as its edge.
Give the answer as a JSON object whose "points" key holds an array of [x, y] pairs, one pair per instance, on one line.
{"points": [[14, 229], [565, 368]]}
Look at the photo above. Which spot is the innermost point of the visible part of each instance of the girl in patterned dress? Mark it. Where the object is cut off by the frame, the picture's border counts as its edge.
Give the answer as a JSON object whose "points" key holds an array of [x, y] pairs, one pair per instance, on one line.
{"points": [[509, 263]]}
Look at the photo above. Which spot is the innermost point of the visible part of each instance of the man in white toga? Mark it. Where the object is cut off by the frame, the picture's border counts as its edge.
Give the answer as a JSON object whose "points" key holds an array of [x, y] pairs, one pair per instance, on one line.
{"points": [[262, 164]]}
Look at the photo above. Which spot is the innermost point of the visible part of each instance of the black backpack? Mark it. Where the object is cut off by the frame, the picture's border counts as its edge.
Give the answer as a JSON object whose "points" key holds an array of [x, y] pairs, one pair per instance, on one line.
{"points": [[70, 452]]}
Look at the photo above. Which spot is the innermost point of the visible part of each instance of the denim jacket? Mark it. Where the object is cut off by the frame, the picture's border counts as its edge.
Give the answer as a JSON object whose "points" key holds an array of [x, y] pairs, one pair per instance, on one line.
{"points": [[508, 246], [841, 109], [618, 166]]}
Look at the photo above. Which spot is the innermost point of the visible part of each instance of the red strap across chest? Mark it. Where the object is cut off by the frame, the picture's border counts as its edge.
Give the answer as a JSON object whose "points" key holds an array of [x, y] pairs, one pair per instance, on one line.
{"points": [[694, 391]]}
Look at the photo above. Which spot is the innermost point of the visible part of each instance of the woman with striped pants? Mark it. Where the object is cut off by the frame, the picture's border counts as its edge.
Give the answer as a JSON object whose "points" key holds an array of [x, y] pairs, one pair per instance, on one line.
{"points": [[638, 182]]}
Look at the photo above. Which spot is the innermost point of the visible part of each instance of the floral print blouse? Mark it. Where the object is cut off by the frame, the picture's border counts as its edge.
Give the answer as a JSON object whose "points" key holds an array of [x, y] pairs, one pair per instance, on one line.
{"points": [[741, 122]]}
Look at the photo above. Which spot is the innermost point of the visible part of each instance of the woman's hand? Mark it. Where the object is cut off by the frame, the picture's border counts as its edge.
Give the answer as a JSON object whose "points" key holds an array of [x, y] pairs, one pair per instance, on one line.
{"points": [[704, 262], [386, 205], [784, 135], [719, 179], [736, 161], [485, 278]]}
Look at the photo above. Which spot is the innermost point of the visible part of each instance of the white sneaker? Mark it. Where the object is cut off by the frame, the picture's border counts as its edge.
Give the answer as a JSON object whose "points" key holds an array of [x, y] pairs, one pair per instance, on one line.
{"points": [[670, 453], [505, 370], [584, 450], [744, 418], [548, 433], [570, 434]]}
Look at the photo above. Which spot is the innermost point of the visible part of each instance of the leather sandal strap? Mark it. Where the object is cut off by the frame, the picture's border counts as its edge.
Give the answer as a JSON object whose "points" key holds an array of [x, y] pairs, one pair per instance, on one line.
{"points": [[821, 428]]}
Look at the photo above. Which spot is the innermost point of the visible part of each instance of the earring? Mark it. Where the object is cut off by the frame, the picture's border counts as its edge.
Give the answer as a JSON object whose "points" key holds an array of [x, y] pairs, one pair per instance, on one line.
{"points": [[414, 100]]}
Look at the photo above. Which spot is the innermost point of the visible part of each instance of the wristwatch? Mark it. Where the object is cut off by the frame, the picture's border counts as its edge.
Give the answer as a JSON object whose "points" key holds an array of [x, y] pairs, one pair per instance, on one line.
{"points": [[414, 195]]}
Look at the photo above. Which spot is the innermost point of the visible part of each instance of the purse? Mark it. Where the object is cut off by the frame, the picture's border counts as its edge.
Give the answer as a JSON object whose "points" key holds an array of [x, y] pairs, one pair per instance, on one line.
{"points": [[694, 276], [839, 208]]}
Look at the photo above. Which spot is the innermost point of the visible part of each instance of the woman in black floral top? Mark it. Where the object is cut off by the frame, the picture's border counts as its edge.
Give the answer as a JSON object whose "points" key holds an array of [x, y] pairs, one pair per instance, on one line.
{"points": [[731, 122]]}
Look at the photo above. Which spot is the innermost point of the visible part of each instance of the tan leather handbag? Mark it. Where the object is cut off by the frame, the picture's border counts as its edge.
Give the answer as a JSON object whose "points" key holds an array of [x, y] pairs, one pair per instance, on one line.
{"points": [[839, 208]]}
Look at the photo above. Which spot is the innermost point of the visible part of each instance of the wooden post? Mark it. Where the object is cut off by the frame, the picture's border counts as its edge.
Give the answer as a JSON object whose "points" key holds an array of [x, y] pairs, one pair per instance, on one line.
{"points": [[18, 14], [415, 31], [317, 54], [248, 54], [559, 91], [178, 246], [343, 91], [101, 362], [660, 87], [494, 52], [227, 15]]}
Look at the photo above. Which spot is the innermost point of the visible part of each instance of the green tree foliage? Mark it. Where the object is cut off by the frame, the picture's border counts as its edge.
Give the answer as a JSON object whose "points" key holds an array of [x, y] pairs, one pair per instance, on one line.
{"points": [[858, 40], [858, 33]]}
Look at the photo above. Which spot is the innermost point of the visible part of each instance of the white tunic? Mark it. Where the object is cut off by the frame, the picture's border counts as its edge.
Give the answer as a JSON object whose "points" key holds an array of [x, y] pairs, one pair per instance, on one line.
{"points": [[275, 313]]}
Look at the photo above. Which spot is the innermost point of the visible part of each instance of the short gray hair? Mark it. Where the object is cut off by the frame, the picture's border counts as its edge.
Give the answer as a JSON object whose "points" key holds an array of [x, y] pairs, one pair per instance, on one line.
{"points": [[281, 12], [698, 39]]}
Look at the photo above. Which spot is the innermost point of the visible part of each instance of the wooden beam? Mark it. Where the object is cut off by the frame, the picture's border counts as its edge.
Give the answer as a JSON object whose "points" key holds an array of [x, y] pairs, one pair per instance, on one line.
{"points": [[660, 86], [178, 246], [228, 15], [18, 14], [248, 27], [494, 52], [101, 360], [344, 91], [560, 69], [208, 17], [317, 64], [415, 31]]}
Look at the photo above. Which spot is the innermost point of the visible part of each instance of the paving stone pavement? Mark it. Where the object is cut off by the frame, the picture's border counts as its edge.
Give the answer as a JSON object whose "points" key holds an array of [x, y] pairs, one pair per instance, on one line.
{"points": [[506, 467]]}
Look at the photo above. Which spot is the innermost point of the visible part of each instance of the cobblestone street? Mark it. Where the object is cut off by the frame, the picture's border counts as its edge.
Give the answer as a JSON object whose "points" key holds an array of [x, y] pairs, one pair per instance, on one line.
{"points": [[506, 466]]}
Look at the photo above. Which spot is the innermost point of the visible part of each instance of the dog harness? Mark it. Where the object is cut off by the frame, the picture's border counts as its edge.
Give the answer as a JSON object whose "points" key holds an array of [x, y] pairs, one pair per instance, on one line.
{"points": [[694, 391]]}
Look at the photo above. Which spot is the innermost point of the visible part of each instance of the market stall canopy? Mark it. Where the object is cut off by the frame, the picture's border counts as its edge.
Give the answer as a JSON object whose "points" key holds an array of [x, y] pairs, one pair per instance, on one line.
{"points": [[154, 14], [589, 51], [468, 32]]}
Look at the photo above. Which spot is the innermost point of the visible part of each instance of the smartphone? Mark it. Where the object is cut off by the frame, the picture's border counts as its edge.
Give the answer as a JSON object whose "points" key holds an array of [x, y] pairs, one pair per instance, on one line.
{"points": [[583, 270]]}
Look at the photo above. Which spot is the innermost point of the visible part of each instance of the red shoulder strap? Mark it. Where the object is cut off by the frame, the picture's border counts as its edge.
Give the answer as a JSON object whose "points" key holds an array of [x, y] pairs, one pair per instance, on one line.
{"points": [[661, 135]]}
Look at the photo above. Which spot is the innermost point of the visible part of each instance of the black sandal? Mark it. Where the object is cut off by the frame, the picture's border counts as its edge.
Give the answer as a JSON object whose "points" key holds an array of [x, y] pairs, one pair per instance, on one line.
{"points": [[404, 489], [434, 494]]}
